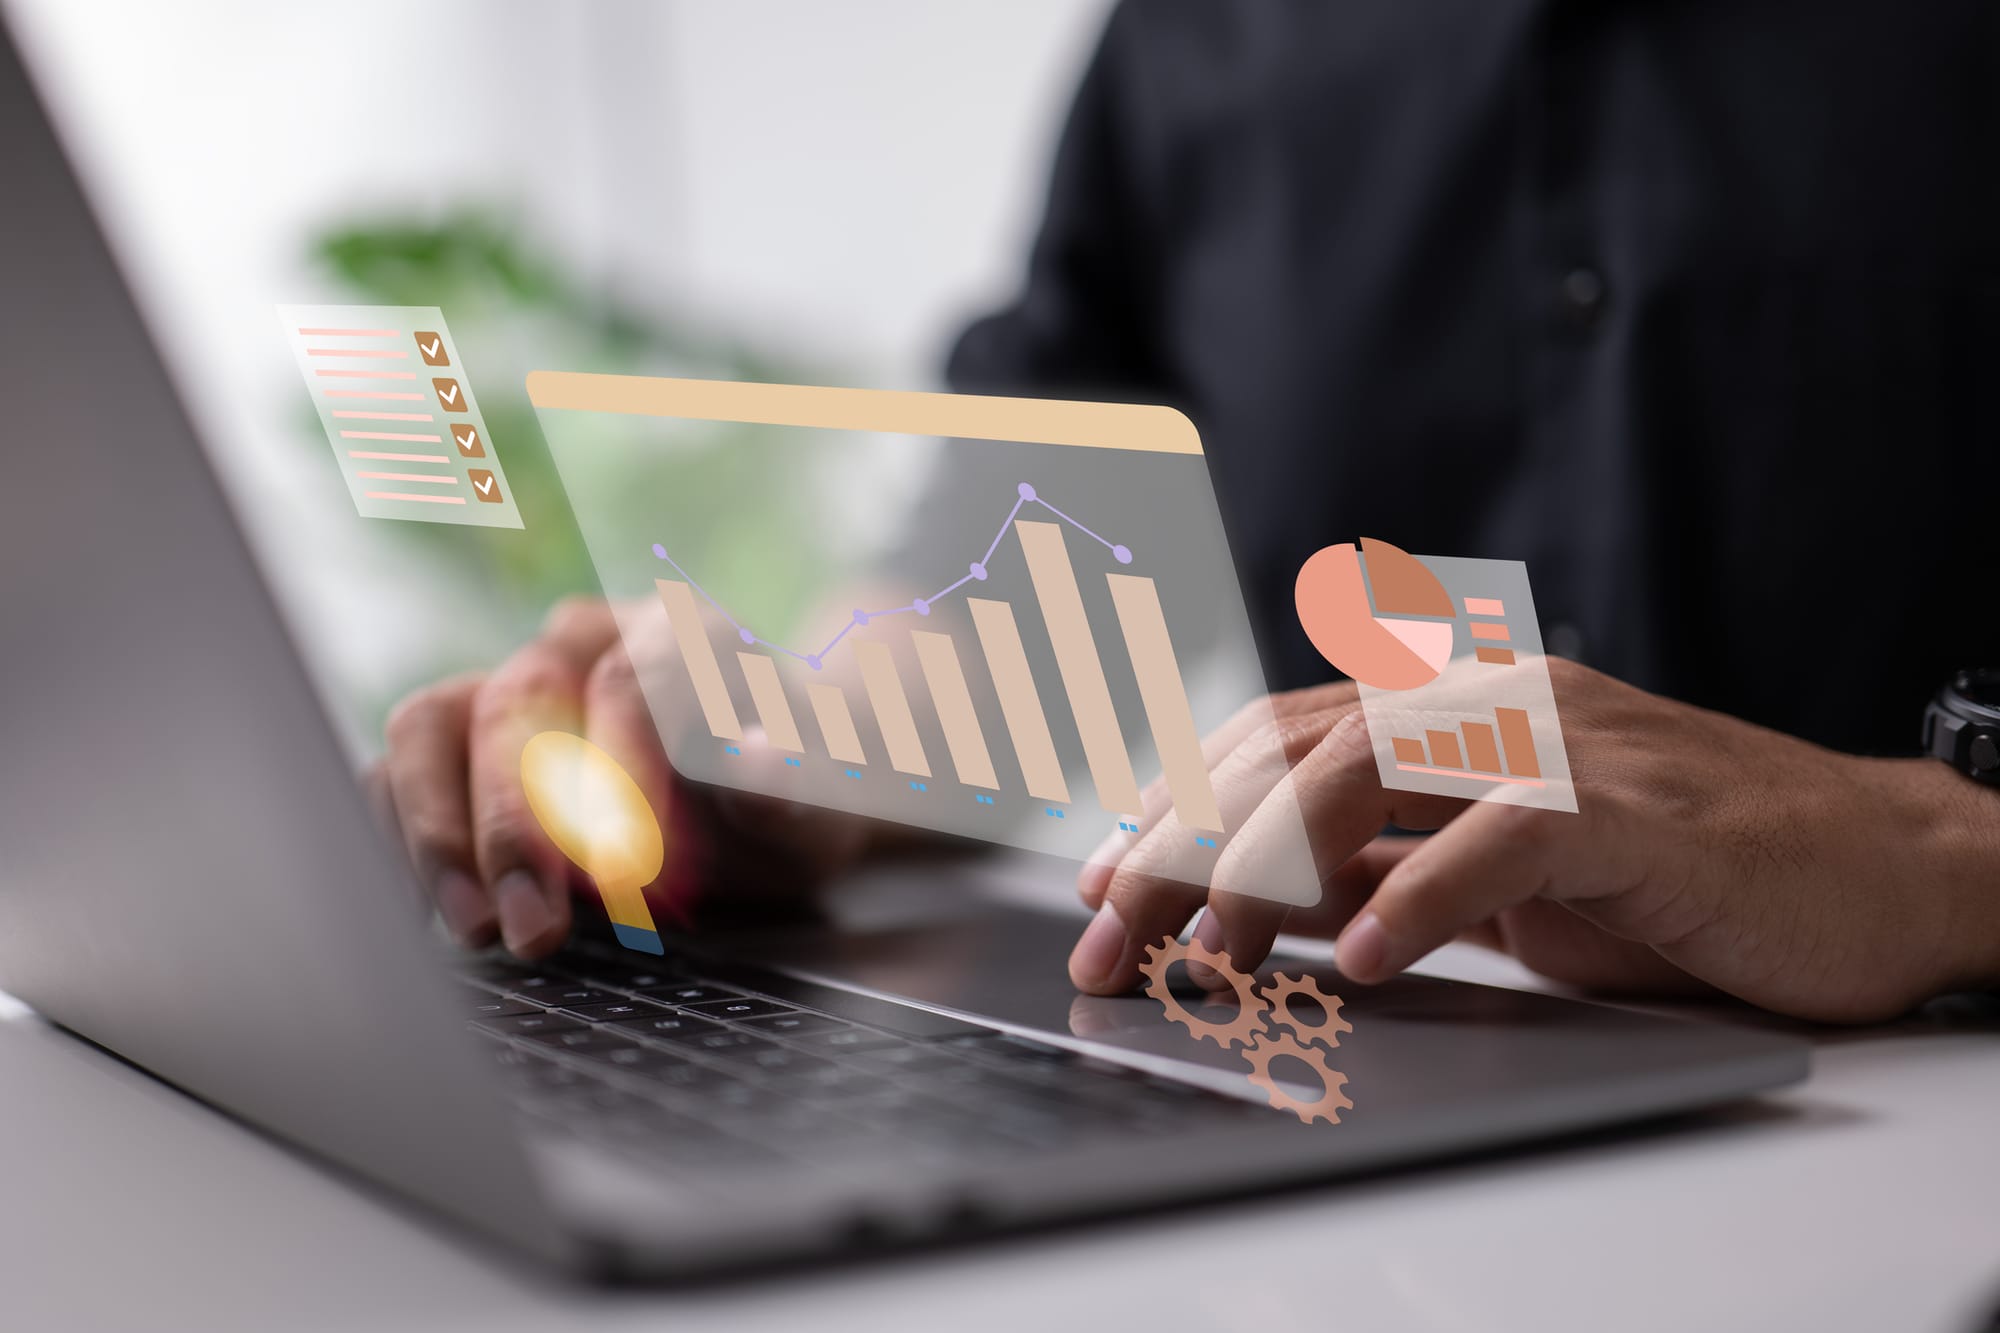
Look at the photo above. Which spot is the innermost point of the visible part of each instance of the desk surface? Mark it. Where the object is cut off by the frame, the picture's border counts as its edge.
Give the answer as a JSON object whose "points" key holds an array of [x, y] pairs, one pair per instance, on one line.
{"points": [[1866, 1199]]}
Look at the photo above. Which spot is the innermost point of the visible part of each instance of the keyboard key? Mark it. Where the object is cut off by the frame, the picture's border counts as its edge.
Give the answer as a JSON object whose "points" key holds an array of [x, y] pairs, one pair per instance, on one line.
{"points": [[570, 994], [663, 1023], [778, 1059], [494, 1006], [612, 1011], [527, 1025], [634, 980], [848, 1040], [741, 1006], [532, 984], [581, 1039], [686, 993], [912, 1057], [724, 1042], [796, 1024], [632, 1056]]}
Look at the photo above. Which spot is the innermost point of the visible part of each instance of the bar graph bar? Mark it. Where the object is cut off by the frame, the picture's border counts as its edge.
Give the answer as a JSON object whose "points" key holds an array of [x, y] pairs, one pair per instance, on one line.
{"points": [[1081, 668], [684, 614], [892, 709], [836, 723], [1165, 696], [773, 709], [1020, 701], [1473, 751], [1482, 752], [938, 658], [1519, 742]]}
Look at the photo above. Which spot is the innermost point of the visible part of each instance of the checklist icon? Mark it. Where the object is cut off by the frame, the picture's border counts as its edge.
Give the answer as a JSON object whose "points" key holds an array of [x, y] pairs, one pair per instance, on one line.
{"points": [[410, 446]]}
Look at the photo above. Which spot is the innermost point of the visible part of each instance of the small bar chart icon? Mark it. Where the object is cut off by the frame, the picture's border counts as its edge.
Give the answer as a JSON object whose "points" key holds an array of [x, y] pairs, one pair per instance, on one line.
{"points": [[1471, 751]]}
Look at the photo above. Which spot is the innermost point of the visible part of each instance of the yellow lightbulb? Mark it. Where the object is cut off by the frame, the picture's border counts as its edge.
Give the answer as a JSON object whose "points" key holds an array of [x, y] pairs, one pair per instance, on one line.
{"points": [[599, 818]]}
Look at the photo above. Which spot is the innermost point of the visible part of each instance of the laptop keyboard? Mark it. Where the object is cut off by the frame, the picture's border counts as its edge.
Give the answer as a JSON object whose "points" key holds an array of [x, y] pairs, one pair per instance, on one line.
{"points": [[683, 1070]]}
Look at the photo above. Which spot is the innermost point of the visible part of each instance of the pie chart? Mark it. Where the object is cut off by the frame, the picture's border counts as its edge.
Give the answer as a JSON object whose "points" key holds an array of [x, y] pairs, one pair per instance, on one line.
{"points": [[1400, 640]]}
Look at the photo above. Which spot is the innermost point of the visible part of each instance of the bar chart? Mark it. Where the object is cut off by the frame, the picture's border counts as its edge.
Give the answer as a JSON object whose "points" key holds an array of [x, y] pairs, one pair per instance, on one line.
{"points": [[1499, 751], [994, 654], [1004, 620]]}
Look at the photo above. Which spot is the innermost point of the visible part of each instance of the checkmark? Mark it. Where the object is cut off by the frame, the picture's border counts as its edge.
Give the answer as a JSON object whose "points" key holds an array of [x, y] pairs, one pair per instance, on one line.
{"points": [[450, 397], [466, 437], [431, 347], [485, 486]]}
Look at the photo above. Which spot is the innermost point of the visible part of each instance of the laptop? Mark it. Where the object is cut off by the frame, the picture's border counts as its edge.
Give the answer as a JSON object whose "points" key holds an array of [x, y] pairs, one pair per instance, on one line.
{"points": [[192, 881]]}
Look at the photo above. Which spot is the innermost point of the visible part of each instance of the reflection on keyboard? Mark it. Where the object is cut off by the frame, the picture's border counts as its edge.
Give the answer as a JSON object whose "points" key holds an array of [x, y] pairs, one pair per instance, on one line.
{"points": [[685, 1071]]}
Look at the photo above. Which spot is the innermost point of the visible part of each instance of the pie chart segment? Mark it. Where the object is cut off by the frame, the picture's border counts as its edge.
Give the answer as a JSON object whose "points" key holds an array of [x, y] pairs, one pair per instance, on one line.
{"points": [[1402, 584], [1333, 606], [1430, 640]]}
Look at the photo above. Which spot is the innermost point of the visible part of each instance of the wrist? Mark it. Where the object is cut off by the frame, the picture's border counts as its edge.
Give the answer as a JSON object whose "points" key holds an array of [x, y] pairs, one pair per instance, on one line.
{"points": [[1957, 859]]}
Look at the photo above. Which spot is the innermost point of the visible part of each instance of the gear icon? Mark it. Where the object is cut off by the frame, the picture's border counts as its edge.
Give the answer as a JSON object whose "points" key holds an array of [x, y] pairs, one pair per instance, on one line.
{"points": [[1248, 1025], [1279, 994], [1331, 1101]]}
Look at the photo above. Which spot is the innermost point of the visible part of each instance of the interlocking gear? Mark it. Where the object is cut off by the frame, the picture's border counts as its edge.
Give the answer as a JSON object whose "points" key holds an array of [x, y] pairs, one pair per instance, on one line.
{"points": [[1248, 1024], [1331, 1101], [1279, 994]]}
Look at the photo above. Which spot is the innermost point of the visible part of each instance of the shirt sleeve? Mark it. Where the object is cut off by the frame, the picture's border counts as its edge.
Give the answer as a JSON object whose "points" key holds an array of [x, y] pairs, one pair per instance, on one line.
{"points": [[1082, 324]]}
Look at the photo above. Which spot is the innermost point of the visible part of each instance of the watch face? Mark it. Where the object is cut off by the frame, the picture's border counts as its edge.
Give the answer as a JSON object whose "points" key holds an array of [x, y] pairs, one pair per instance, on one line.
{"points": [[1981, 687]]}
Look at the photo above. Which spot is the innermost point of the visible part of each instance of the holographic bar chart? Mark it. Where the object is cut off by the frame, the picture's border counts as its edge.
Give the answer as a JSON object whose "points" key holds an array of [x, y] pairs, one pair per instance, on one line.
{"points": [[1471, 752], [941, 678]]}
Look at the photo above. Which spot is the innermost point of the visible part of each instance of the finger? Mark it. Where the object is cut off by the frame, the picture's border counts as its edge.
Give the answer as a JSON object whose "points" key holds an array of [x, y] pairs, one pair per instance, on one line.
{"points": [[1145, 900], [538, 689], [1246, 928], [426, 773], [1217, 746], [1490, 858]]}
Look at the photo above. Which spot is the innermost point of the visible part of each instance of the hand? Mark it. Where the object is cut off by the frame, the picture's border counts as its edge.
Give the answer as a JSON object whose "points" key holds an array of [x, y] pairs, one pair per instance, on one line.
{"points": [[1709, 854], [451, 780]]}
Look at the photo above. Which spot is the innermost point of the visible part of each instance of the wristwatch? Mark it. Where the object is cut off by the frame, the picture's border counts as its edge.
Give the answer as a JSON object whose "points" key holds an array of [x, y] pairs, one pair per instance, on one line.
{"points": [[1962, 725]]}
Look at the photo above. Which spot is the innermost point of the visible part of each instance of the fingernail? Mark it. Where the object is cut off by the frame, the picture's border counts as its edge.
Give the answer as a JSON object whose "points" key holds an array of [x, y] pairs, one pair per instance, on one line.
{"points": [[1362, 951], [524, 912], [1208, 934], [1099, 950], [464, 907]]}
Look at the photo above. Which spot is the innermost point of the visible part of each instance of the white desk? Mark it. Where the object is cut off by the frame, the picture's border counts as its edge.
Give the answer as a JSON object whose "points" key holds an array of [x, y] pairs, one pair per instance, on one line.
{"points": [[1868, 1199]]}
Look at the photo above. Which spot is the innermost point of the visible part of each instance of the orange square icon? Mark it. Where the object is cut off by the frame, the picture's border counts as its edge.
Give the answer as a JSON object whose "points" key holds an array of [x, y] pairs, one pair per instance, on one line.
{"points": [[450, 397], [430, 346], [466, 437], [485, 485]]}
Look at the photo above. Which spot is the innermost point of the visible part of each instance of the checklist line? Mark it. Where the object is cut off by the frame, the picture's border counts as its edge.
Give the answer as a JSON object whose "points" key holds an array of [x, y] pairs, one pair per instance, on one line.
{"points": [[372, 393], [347, 333], [398, 458], [420, 499], [390, 435], [370, 374], [377, 352], [408, 476], [387, 416]]}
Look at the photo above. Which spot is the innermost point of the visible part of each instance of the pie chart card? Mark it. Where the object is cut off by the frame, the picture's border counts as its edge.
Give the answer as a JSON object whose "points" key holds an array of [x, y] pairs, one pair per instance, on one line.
{"points": [[1448, 655]]}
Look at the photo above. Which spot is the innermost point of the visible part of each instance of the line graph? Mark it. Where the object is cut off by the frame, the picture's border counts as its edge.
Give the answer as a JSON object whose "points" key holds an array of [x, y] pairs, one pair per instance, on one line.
{"points": [[976, 572]]}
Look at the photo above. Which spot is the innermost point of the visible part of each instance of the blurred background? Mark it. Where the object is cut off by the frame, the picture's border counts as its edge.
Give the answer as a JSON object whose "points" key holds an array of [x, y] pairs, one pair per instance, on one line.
{"points": [[765, 189]]}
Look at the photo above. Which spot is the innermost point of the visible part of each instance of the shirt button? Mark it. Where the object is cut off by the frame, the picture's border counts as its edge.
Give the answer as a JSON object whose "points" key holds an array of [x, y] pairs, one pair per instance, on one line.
{"points": [[1565, 640], [1582, 295]]}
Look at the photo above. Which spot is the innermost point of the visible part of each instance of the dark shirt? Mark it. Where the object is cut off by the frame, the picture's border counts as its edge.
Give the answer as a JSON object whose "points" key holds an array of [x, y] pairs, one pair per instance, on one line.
{"points": [[1693, 306]]}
